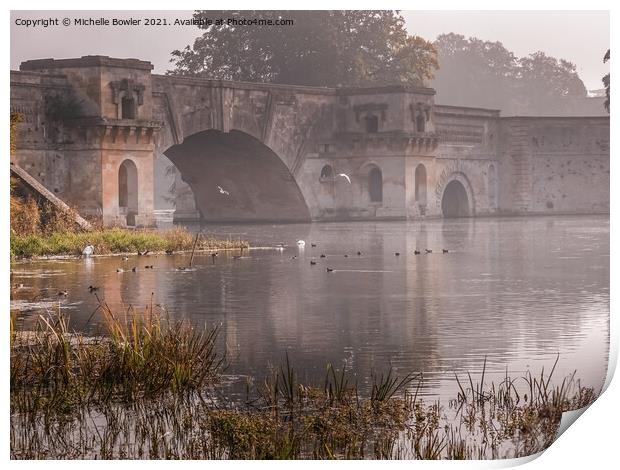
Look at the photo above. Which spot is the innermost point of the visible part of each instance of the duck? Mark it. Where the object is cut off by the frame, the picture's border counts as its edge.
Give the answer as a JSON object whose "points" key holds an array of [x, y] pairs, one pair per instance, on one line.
{"points": [[397, 254], [63, 293], [149, 267], [329, 270], [134, 269], [293, 257], [323, 256], [359, 253], [313, 245], [428, 251], [125, 258], [143, 253], [346, 256], [312, 263], [301, 243], [181, 268], [169, 252], [444, 251], [120, 270], [416, 252], [92, 289]]}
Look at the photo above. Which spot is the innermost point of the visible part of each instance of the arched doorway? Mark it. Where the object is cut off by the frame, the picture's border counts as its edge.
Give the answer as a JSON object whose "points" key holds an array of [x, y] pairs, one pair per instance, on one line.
{"points": [[375, 184], [420, 185], [454, 202], [128, 191]]}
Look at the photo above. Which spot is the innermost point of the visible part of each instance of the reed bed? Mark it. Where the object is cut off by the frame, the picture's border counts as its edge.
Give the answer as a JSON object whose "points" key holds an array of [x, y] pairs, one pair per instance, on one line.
{"points": [[149, 388], [115, 240]]}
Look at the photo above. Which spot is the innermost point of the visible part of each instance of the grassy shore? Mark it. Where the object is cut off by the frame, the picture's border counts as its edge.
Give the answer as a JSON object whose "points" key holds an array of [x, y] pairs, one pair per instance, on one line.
{"points": [[114, 240], [150, 388]]}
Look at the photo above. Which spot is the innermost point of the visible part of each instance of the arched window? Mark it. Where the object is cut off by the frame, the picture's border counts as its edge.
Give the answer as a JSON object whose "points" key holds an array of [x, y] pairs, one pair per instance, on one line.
{"points": [[375, 185], [327, 173], [372, 124], [420, 184], [128, 190], [420, 122], [128, 108]]}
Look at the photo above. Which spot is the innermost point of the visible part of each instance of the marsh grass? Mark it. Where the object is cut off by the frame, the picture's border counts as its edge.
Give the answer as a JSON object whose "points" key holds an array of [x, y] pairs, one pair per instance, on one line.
{"points": [[115, 240], [139, 355], [148, 388]]}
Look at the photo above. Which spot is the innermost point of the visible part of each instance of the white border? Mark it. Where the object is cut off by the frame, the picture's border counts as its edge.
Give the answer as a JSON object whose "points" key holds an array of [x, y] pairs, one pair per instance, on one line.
{"points": [[590, 443]]}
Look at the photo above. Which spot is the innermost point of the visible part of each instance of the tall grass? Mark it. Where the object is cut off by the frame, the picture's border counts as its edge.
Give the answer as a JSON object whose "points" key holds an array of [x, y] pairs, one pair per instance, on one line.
{"points": [[148, 388], [114, 240], [139, 355]]}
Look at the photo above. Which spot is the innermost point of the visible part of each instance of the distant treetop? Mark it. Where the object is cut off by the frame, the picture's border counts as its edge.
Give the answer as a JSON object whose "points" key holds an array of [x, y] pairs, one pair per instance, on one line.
{"points": [[320, 48]]}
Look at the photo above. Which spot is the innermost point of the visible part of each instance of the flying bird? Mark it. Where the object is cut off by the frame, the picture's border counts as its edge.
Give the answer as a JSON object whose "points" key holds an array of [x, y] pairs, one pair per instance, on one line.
{"points": [[345, 176], [223, 191]]}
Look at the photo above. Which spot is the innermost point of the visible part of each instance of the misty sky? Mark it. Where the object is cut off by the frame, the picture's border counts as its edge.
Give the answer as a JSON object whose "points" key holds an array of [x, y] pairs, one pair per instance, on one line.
{"points": [[581, 37]]}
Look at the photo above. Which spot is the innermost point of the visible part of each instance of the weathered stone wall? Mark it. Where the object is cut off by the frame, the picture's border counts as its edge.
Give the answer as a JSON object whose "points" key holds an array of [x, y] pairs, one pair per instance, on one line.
{"points": [[84, 121], [47, 147], [555, 165], [278, 150]]}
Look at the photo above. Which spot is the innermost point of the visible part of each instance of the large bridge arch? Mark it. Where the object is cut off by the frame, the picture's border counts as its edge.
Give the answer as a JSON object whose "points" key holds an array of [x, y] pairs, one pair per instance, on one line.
{"points": [[236, 177]]}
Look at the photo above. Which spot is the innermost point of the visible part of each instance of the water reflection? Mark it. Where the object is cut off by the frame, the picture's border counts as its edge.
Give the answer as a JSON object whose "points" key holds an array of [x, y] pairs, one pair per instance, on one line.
{"points": [[516, 290]]}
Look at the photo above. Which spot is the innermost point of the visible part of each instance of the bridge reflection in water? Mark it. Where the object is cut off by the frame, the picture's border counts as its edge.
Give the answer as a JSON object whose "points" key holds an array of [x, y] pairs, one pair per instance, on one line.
{"points": [[516, 290]]}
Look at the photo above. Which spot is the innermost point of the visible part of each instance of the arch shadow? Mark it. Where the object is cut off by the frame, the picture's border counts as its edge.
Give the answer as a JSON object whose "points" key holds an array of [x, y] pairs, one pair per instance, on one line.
{"points": [[236, 178]]}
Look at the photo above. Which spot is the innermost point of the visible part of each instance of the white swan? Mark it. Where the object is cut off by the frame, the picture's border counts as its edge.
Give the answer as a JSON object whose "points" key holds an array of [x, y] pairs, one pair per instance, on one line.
{"points": [[88, 250]]}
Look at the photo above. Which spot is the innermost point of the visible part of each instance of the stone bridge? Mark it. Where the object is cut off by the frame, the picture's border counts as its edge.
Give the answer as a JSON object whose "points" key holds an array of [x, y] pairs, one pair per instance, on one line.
{"points": [[118, 142]]}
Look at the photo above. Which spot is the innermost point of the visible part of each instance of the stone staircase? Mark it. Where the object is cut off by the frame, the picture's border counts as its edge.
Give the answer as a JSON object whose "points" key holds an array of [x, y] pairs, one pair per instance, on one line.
{"points": [[36, 187]]}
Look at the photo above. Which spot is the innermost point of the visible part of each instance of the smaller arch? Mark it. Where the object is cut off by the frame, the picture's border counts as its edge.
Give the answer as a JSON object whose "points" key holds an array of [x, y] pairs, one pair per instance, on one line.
{"points": [[375, 184], [128, 191], [455, 201], [372, 124], [420, 184], [327, 173]]}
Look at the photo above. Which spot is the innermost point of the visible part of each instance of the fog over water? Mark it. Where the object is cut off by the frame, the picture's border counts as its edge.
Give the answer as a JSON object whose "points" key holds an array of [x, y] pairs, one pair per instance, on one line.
{"points": [[517, 291]]}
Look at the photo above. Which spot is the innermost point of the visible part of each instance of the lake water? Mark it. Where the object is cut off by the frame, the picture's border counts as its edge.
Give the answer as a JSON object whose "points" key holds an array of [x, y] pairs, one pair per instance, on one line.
{"points": [[517, 291]]}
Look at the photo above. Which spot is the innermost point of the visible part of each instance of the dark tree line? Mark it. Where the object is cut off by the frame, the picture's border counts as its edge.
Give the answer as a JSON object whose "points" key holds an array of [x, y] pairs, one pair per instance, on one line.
{"points": [[473, 72], [370, 48], [322, 48]]}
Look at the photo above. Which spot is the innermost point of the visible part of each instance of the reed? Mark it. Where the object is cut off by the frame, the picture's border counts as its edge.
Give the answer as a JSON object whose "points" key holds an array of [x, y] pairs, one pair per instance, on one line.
{"points": [[115, 240], [148, 388]]}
